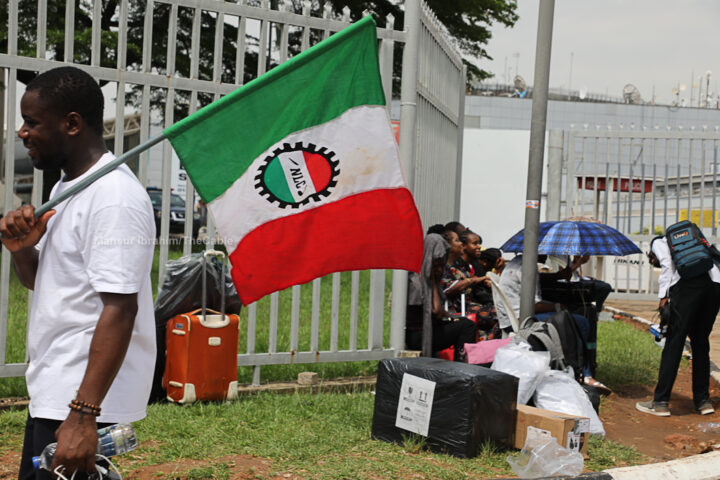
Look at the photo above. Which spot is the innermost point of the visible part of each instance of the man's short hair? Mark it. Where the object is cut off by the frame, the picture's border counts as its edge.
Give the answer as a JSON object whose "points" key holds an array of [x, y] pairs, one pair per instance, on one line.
{"points": [[437, 228], [491, 255], [69, 89]]}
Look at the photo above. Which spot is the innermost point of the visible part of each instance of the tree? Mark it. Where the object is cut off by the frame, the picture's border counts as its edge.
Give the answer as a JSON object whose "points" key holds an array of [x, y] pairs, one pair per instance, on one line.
{"points": [[468, 21]]}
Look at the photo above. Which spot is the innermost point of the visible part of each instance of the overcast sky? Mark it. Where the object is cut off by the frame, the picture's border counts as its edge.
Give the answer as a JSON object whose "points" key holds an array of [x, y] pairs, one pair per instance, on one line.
{"points": [[660, 44]]}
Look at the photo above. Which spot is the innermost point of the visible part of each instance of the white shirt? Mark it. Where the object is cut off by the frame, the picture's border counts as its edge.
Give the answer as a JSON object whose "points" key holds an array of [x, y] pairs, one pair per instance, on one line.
{"points": [[511, 284], [668, 274], [100, 240]]}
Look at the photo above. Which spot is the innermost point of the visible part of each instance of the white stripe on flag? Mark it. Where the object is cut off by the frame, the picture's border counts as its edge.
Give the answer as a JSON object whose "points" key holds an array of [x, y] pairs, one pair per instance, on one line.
{"points": [[364, 146]]}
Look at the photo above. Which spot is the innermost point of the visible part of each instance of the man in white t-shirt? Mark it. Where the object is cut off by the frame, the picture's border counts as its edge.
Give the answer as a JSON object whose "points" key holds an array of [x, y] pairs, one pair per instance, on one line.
{"points": [[91, 328]]}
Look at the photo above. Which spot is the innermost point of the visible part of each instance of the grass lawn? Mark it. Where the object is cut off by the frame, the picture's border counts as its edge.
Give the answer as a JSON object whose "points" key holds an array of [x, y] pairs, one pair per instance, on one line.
{"points": [[327, 436], [321, 435]]}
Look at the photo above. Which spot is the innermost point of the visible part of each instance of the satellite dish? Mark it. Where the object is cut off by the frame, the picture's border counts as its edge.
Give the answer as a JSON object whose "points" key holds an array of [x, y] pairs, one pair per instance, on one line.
{"points": [[520, 86], [631, 94]]}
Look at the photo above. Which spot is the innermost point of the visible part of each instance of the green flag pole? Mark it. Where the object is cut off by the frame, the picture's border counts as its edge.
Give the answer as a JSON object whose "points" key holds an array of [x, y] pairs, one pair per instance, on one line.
{"points": [[101, 172]]}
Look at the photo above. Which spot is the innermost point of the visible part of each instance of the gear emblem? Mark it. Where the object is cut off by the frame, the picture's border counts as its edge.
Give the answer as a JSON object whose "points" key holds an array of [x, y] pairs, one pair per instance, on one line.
{"points": [[297, 174]]}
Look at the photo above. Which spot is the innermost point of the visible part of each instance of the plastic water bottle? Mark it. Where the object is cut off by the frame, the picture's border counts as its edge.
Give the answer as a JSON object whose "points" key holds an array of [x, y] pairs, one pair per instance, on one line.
{"points": [[658, 334], [112, 440]]}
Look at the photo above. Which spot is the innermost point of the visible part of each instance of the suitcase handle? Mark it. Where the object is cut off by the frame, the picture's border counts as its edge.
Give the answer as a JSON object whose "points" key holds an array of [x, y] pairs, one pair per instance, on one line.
{"points": [[206, 254], [224, 321]]}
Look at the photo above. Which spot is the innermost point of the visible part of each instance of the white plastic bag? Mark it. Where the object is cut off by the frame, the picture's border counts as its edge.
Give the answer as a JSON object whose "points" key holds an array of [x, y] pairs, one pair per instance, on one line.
{"points": [[541, 456], [519, 360], [559, 392]]}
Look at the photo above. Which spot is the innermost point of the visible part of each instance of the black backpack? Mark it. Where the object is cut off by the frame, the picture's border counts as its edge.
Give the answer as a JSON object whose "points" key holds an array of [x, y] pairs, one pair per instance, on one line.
{"points": [[691, 252], [560, 336]]}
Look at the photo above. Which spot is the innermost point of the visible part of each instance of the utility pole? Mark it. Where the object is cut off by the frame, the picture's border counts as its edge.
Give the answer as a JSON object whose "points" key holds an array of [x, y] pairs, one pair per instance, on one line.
{"points": [[538, 121]]}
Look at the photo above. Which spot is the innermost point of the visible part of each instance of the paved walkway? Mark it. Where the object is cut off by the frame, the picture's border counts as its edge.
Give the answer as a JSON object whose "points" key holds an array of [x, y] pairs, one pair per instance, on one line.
{"points": [[647, 310]]}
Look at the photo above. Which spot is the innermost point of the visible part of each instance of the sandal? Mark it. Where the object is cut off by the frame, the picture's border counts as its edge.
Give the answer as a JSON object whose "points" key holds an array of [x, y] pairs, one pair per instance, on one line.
{"points": [[601, 388]]}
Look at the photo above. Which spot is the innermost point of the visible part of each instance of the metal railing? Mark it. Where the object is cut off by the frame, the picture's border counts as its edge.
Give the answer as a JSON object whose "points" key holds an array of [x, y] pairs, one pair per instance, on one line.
{"points": [[189, 73], [639, 181]]}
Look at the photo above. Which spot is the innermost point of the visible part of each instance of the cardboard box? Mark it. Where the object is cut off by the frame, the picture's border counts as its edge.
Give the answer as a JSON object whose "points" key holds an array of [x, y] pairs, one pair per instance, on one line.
{"points": [[570, 431]]}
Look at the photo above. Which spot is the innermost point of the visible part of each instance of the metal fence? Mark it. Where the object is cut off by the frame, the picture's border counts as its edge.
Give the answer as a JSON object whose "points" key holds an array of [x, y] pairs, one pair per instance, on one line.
{"points": [[639, 181], [174, 56]]}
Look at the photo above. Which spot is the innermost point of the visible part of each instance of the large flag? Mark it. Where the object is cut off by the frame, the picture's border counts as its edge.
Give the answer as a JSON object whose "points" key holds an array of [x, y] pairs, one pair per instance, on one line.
{"points": [[300, 171]]}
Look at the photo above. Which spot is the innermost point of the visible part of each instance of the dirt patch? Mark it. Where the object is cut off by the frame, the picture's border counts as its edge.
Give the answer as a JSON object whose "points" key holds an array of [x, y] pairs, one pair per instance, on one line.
{"points": [[238, 467], [660, 438]]}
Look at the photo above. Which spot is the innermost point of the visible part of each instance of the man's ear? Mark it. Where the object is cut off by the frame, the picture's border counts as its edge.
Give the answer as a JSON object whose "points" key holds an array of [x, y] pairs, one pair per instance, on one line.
{"points": [[74, 123]]}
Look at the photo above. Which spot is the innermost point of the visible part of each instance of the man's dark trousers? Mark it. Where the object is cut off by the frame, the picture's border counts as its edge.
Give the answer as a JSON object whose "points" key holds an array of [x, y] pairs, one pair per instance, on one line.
{"points": [[694, 303]]}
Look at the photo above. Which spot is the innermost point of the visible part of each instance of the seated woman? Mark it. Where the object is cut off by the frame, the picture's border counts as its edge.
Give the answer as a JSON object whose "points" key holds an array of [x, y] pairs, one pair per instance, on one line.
{"points": [[459, 279], [429, 327]]}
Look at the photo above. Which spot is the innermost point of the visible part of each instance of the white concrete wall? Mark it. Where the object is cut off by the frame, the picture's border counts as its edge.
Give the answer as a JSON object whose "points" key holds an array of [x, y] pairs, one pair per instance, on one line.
{"points": [[494, 182]]}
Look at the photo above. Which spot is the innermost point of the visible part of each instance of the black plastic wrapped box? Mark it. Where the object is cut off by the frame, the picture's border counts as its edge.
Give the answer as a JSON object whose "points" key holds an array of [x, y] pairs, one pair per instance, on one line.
{"points": [[467, 404]]}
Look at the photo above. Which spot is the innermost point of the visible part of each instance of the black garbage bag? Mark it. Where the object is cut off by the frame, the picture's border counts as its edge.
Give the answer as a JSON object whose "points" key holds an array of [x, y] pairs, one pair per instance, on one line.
{"points": [[181, 292]]}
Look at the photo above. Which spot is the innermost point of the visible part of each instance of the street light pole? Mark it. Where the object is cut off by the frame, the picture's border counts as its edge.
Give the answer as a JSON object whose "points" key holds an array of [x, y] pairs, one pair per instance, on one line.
{"points": [[535, 163]]}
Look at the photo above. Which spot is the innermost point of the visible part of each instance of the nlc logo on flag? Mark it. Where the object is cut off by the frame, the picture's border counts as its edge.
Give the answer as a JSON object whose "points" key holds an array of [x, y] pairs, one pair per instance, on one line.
{"points": [[295, 175]]}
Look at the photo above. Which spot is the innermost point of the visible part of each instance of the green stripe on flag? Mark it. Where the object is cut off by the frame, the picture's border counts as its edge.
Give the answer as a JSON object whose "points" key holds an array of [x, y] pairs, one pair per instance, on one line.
{"points": [[218, 143]]}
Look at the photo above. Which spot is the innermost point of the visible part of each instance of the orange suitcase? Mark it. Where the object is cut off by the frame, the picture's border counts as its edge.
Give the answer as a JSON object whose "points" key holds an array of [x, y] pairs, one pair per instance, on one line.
{"points": [[201, 357], [201, 349]]}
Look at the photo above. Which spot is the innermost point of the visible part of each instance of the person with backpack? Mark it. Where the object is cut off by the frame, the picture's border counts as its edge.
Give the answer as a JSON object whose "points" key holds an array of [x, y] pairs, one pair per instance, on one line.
{"points": [[690, 283]]}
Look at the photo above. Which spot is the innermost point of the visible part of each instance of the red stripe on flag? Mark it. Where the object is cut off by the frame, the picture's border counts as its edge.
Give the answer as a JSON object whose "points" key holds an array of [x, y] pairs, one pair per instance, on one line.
{"points": [[376, 229], [318, 168]]}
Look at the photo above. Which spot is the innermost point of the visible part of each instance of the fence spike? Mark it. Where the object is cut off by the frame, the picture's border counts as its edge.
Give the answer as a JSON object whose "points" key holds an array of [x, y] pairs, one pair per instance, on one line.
{"points": [[264, 4], [306, 8], [327, 11], [390, 21], [366, 12], [346, 14]]}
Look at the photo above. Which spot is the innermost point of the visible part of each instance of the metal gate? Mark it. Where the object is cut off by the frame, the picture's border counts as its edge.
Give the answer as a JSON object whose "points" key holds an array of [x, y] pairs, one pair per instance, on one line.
{"points": [[186, 76], [638, 181]]}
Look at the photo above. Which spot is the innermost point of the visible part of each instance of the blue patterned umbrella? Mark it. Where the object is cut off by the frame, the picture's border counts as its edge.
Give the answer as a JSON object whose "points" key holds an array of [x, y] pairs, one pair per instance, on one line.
{"points": [[576, 238]]}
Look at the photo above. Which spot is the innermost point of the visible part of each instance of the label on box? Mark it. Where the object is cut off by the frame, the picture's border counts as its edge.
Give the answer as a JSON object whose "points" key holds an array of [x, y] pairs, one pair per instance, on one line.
{"points": [[574, 441], [415, 404], [582, 426]]}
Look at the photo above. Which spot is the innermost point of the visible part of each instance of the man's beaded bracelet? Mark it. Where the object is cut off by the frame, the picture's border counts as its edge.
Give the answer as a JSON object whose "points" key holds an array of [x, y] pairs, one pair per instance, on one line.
{"points": [[84, 407]]}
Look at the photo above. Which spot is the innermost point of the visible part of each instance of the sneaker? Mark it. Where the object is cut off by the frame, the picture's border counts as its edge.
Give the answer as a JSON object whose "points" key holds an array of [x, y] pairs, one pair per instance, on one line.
{"points": [[659, 409], [705, 408]]}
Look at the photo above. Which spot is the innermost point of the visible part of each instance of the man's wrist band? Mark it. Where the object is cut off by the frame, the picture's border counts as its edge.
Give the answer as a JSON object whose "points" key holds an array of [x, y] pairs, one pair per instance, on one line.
{"points": [[84, 407]]}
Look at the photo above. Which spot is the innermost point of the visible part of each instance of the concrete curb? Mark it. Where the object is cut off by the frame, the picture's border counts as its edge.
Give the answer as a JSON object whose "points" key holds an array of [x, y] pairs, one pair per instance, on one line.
{"points": [[696, 467], [705, 466]]}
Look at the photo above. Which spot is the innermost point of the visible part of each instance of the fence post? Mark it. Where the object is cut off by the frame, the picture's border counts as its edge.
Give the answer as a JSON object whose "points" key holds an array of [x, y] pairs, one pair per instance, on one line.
{"points": [[460, 133], [554, 175], [408, 116]]}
